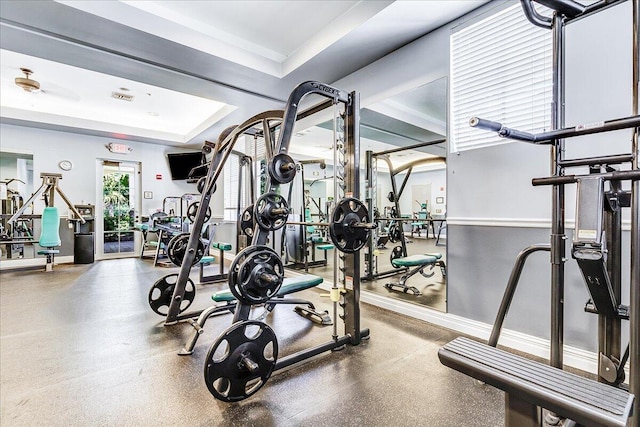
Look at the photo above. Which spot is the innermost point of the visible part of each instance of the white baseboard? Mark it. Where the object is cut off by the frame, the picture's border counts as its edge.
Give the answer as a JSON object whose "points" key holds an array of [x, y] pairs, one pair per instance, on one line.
{"points": [[573, 356], [10, 264]]}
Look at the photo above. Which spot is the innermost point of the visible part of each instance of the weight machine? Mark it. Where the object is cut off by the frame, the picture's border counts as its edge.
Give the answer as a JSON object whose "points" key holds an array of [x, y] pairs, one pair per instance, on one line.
{"points": [[395, 231], [597, 250]]}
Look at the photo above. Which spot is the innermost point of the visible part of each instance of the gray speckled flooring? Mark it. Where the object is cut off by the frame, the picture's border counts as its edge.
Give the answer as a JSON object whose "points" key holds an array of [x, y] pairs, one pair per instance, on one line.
{"points": [[80, 347]]}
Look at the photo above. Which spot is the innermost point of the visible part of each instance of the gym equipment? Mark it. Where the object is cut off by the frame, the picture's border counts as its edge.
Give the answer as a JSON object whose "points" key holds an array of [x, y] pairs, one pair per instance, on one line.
{"points": [[161, 294], [241, 360], [49, 187], [246, 224], [177, 249], [395, 232], [207, 260], [282, 168], [270, 211], [420, 262], [350, 226], [256, 275], [530, 386], [227, 380], [290, 285], [50, 235], [193, 208]]}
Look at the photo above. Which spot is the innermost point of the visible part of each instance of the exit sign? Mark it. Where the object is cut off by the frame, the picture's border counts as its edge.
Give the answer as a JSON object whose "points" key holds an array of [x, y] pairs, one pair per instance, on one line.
{"points": [[119, 148]]}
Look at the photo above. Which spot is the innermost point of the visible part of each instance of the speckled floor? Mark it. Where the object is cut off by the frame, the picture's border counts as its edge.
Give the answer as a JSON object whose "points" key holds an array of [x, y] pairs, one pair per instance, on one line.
{"points": [[81, 347]]}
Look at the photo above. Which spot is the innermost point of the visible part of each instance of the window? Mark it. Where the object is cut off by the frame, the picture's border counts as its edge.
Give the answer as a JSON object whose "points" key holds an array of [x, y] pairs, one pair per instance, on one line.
{"points": [[501, 71], [231, 172]]}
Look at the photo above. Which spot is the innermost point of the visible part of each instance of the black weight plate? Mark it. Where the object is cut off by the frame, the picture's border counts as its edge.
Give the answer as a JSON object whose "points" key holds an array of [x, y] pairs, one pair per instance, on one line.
{"points": [[396, 252], [264, 215], [245, 222], [245, 266], [177, 248], [192, 211], [395, 233], [241, 361], [276, 165], [346, 238], [161, 294]]}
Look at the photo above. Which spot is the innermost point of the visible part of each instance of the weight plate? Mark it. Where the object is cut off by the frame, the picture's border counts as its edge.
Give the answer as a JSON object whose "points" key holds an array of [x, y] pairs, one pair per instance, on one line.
{"points": [[161, 294], [282, 168], [200, 185], [177, 248], [241, 361], [256, 276], [395, 233], [245, 222], [344, 236], [192, 211], [396, 252], [270, 211]]}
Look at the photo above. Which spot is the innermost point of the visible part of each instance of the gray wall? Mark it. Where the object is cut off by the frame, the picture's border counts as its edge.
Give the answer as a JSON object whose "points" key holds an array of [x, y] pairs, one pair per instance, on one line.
{"points": [[492, 185]]}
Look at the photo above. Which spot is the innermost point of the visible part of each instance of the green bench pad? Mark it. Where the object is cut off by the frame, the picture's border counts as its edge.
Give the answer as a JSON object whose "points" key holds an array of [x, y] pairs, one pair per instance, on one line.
{"points": [[414, 260], [221, 246], [325, 247], [435, 254], [49, 252], [207, 259], [289, 286]]}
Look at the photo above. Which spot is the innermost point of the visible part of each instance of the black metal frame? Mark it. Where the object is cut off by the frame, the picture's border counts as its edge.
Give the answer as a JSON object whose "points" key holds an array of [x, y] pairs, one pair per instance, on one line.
{"points": [[608, 326], [371, 271]]}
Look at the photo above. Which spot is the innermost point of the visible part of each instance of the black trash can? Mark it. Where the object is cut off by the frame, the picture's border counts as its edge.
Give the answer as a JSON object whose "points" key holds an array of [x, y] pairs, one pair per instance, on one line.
{"points": [[83, 252]]}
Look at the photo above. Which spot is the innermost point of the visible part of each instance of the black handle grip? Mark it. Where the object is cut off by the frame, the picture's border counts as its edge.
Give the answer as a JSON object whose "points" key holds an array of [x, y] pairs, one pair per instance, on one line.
{"points": [[477, 122]]}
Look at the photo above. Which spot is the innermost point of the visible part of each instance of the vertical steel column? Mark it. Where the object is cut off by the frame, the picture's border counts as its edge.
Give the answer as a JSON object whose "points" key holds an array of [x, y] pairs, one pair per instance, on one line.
{"points": [[558, 237], [634, 326], [373, 236], [352, 182]]}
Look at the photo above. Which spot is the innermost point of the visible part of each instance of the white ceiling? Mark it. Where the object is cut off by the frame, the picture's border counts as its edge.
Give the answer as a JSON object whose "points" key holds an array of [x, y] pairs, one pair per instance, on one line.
{"points": [[206, 64]]}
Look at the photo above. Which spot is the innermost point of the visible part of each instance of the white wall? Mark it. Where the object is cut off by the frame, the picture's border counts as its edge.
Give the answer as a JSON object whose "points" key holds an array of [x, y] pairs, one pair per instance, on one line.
{"points": [[79, 184]]}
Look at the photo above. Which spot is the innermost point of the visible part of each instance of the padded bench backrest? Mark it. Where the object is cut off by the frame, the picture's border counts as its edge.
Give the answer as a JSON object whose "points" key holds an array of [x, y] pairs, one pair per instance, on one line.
{"points": [[50, 233]]}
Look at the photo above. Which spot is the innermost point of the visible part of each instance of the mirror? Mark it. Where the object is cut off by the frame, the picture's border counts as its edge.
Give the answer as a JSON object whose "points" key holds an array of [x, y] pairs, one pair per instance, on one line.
{"points": [[16, 186], [411, 128]]}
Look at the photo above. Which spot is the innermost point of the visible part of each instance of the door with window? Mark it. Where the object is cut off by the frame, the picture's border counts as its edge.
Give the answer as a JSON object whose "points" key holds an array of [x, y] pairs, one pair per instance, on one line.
{"points": [[118, 210]]}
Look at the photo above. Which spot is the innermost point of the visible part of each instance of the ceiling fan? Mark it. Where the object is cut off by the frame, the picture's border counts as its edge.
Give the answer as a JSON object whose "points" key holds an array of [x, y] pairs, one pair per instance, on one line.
{"points": [[27, 84]]}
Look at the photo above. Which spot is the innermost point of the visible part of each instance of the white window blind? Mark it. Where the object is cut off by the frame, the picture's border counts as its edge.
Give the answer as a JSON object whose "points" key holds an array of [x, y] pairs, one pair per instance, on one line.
{"points": [[500, 71], [231, 184]]}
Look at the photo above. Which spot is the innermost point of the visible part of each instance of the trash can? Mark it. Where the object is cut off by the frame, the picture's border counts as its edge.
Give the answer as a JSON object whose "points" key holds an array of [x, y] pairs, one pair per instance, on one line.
{"points": [[83, 252]]}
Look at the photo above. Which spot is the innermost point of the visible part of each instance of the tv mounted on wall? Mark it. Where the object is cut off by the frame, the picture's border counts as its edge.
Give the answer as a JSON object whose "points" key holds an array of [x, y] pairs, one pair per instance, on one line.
{"points": [[180, 164]]}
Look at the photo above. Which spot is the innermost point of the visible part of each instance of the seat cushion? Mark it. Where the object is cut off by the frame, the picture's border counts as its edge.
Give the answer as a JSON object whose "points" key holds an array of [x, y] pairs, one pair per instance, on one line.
{"points": [[50, 233], [414, 260], [289, 286]]}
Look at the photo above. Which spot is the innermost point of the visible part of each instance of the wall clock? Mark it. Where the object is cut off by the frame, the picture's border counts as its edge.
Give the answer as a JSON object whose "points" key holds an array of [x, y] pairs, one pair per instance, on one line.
{"points": [[65, 165]]}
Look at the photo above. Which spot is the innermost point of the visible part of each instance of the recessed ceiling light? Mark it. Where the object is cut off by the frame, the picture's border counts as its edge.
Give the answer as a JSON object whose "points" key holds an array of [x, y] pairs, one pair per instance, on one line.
{"points": [[153, 113], [124, 89]]}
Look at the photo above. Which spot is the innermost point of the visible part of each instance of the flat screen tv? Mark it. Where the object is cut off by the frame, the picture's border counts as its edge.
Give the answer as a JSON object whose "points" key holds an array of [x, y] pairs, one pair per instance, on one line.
{"points": [[180, 164]]}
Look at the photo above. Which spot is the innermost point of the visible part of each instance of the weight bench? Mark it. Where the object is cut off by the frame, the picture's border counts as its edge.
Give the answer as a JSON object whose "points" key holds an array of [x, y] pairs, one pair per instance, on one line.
{"points": [[207, 260], [228, 304], [530, 386], [420, 262]]}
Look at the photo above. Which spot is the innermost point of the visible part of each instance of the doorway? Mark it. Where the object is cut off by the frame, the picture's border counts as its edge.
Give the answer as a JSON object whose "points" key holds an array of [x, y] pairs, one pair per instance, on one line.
{"points": [[118, 211]]}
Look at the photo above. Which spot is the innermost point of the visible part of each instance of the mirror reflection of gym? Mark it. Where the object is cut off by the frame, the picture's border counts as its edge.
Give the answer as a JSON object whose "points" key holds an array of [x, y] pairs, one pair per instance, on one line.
{"points": [[406, 258]]}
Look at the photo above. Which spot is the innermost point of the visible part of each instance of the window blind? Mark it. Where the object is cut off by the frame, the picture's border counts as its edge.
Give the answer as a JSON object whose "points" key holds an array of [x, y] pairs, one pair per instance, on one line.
{"points": [[501, 71], [231, 184]]}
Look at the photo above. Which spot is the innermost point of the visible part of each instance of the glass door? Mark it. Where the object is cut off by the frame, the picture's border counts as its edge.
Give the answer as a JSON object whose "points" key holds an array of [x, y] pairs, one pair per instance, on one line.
{"points": [[120, 182]]}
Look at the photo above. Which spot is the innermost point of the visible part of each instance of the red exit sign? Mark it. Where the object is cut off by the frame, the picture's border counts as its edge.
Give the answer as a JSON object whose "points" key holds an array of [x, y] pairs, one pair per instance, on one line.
{"points": [[119, 148]]}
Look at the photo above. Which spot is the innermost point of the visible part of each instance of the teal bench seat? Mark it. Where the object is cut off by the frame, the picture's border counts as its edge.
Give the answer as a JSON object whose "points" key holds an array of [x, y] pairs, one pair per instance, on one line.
{"points": [[325, 247], [289, 286], [221, 246], [415, 260], [207, 259]]}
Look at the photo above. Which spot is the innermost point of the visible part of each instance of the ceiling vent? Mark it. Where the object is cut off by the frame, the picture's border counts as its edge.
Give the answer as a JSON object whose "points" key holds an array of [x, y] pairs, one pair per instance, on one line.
{"points": [[122, 96], [25, 82]]}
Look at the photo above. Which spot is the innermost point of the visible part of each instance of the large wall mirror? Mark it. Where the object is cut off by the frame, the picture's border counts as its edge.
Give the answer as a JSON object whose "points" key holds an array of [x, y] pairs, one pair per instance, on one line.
{"points": [[16, 186], [405, 138]]}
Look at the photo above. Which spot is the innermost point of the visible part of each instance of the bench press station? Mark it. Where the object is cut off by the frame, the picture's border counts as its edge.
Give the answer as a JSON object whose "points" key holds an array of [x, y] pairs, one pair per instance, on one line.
{"points": [[290, 285], [420, 262]]}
